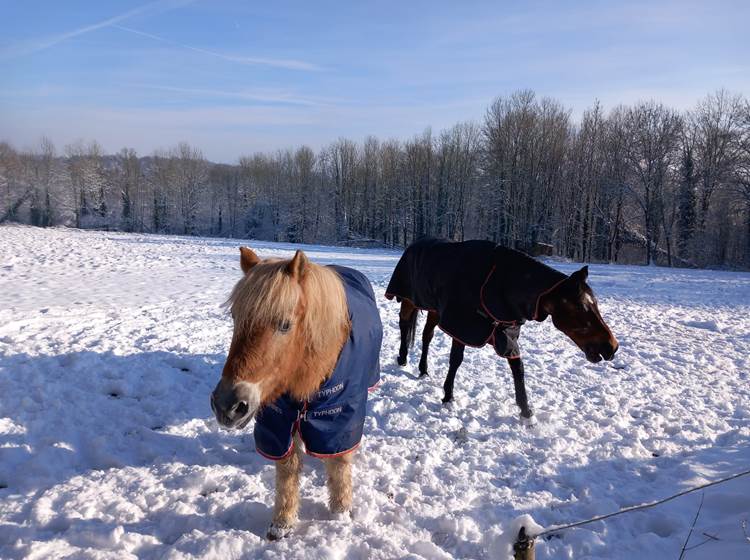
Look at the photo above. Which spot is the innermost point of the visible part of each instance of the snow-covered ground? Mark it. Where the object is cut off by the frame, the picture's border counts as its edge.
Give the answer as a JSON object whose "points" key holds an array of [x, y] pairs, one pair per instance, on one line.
{"points": [[110, 344]]}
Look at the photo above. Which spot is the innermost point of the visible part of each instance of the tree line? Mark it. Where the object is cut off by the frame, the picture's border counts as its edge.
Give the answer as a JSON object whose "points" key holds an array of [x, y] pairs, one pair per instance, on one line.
{"points": [[640, 183]]}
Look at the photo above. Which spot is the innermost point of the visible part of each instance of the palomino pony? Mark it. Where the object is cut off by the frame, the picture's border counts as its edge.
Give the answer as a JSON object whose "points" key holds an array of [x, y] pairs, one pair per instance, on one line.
{"points": [[478, 292], [304, 354]]}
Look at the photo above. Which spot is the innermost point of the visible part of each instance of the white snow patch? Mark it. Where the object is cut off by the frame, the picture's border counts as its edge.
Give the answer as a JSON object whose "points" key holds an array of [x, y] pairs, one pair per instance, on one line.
{"points": [[706, 325], [110, 344]]}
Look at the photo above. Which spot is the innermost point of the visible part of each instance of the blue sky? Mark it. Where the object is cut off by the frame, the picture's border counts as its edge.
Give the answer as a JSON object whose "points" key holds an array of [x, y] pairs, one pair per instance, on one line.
{"points": [[233, 77]]}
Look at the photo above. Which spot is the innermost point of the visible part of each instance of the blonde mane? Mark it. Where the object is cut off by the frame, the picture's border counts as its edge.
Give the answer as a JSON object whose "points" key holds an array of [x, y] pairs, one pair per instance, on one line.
{"points": [[268, 295]]}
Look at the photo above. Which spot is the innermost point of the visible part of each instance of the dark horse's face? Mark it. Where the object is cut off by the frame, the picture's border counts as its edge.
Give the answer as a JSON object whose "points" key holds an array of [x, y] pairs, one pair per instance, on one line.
{"points": [[574, 311]]}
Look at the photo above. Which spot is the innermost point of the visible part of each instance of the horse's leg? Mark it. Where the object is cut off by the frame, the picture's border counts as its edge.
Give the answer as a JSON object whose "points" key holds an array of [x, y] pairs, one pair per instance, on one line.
{"points": [[457, 356], [339, 471], [427, 333], [516, 366], [287, 493], [407, 323]]}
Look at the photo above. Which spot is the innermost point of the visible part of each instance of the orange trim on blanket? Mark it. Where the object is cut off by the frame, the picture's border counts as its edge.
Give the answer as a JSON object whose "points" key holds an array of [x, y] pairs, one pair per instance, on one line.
{"points": [[544, 293], [273, 457], [389, 295], [486, 309], [330, 455], [295, 429], [442, 328]]}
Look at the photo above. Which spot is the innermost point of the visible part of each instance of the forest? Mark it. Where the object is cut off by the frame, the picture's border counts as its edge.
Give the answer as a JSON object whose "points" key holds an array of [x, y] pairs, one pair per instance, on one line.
{"points": [[641, 183]]}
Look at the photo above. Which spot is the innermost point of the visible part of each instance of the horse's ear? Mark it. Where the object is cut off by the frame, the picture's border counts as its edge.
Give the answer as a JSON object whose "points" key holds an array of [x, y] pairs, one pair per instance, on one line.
{"points": [[581, 275], [248, 259], [296, 267]]}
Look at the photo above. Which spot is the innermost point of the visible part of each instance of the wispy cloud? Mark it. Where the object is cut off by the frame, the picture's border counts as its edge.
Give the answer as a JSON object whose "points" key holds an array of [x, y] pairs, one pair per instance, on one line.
{"points": [[33, 46], [257, 95], [289, 64]]}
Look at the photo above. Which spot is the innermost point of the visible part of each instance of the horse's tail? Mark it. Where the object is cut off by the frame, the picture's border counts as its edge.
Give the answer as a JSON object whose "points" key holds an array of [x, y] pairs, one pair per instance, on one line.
{"points": [[411, 329]]}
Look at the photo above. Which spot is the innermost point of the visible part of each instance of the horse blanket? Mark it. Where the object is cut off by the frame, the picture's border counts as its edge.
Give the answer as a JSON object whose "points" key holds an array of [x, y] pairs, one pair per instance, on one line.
{"points": [[331, 422], [482, 292]]}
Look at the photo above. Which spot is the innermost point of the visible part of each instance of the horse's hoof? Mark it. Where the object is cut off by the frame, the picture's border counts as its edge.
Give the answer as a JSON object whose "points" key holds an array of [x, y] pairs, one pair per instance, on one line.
{"points": [[447, 401], [277, 531], [423, 374], [401, 361], [528, 421]]}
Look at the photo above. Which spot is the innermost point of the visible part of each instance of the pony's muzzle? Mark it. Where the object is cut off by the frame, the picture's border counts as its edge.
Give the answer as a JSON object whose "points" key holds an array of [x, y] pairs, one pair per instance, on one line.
{"points": [[234, 405]]}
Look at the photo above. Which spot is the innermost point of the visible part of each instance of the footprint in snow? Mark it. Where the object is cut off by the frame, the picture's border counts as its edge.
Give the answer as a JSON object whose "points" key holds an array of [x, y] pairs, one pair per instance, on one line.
{"points": [[460, 437]]}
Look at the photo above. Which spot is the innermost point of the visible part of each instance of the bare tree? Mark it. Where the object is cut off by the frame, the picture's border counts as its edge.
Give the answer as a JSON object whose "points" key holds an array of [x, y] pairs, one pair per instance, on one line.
{"points": [[340, 161], [161, 179], [191, 173], [128, 178], [44, 173], [15, 191], [716, 127], [741, 178], [642, 182], [525, 149], [653, 132]]}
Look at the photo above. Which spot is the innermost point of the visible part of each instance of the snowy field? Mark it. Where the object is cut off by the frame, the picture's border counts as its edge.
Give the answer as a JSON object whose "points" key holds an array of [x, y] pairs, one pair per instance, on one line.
{"points": [[110, 344]]}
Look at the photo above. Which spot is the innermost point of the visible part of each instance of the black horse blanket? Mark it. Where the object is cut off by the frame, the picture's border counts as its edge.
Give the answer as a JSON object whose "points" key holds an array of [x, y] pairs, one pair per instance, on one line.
{"points": [[482, 292]]}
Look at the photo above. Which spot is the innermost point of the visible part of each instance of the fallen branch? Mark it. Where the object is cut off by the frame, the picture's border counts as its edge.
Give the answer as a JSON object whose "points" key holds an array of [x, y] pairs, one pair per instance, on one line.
{"points": [[695, 519], [710, 538]]}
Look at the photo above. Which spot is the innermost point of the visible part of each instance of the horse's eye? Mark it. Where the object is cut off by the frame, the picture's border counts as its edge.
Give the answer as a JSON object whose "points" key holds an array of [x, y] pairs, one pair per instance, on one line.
{"points": [[284, 326]]}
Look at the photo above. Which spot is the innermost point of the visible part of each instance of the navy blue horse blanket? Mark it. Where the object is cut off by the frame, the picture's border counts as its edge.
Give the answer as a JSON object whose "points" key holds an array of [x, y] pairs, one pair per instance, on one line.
{"points": [[331, 422]]}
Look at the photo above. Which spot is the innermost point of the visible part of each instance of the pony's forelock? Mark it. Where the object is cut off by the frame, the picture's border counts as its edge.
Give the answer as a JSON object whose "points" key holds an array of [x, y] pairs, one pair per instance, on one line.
{"points": [[267, 296]]}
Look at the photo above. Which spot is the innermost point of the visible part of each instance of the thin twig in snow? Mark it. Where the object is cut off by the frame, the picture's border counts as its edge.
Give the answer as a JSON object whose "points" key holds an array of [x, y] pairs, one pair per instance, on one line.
{"points": [[710, 538], [697, 513]]}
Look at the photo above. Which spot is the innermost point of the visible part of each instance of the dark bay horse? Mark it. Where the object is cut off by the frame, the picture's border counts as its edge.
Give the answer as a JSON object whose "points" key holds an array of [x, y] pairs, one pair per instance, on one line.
{"points": [[304, 354], [478, 292]]}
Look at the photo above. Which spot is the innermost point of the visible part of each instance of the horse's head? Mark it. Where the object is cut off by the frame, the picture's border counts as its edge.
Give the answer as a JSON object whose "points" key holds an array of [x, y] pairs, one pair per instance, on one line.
{"points": [[287, 315], [574, 311]]}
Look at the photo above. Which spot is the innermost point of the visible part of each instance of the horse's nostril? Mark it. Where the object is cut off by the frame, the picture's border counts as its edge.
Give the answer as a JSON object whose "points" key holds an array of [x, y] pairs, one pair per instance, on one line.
{"points": [[241, 409]]}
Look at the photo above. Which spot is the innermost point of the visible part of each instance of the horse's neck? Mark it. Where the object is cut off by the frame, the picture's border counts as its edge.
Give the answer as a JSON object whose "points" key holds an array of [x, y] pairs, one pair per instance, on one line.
{"points": [[523, 288]]}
